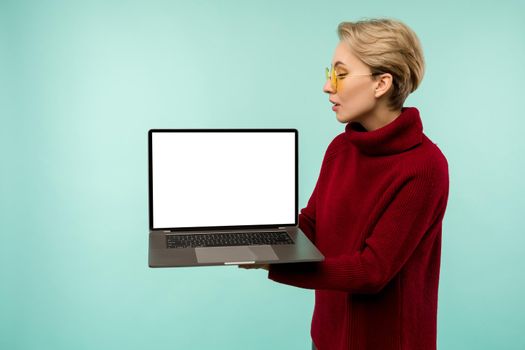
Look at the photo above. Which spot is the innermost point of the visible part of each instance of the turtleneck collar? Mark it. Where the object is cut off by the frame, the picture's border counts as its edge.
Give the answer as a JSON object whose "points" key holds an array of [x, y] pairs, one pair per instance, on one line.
{"points": [[404, 132]]}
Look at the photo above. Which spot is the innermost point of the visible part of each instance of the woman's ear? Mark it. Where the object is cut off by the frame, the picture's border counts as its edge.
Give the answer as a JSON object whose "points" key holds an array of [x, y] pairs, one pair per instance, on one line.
{"points": [[383, 84]]}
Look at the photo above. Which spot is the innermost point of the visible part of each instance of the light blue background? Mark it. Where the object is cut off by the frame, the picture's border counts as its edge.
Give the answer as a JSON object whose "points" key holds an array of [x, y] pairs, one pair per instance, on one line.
{"points": [[81, 82]]}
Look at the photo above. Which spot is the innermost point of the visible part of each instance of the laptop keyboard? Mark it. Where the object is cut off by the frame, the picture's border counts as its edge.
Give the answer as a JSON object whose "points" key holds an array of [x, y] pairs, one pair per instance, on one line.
{"points": [[228, 239]]}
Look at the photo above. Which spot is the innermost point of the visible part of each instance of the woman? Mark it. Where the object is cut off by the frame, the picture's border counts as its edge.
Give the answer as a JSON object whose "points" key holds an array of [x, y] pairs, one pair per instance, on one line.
{"points": [[377, 209]]}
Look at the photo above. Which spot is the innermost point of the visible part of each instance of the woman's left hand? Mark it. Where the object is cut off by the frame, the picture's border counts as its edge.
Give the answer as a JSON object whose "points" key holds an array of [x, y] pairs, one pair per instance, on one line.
{"points": [[255, 266]]}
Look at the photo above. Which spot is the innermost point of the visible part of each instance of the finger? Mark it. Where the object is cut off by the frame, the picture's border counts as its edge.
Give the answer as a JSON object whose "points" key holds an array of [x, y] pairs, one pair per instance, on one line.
{"points": [[249, 267]]}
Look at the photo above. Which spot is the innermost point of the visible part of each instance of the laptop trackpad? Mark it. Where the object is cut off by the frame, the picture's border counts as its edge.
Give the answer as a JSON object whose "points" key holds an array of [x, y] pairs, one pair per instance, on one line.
{"points": [[235, 254]]}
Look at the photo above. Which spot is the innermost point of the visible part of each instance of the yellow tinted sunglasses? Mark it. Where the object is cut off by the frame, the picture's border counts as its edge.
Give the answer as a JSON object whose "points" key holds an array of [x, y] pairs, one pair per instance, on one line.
{"points": [[335, 78]]}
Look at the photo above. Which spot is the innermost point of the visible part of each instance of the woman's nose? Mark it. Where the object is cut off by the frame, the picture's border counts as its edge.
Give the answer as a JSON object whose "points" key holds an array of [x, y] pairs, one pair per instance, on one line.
{"points": [[328, 87]]}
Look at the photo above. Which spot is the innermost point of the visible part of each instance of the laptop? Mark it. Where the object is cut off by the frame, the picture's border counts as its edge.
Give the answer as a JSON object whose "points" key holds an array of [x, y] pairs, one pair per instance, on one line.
{"points": [[224, 197]]}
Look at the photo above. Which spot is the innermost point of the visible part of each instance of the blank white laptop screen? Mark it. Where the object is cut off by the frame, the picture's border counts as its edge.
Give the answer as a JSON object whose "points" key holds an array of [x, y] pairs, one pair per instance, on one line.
{"points": [[207, 179]]}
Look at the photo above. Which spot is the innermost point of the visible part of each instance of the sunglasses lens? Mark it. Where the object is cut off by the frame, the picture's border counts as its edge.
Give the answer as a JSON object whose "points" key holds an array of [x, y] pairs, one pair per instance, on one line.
{"points": [[330, 74]]}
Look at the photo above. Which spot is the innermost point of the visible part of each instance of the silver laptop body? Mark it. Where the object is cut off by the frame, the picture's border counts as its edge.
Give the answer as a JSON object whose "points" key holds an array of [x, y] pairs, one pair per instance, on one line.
{"points": [[209, 187]]}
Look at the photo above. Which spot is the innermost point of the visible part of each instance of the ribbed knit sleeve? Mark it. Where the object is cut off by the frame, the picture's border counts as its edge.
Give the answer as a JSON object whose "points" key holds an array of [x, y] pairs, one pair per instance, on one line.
{"points": [[307, 217], [307, 222], [417, 205]]}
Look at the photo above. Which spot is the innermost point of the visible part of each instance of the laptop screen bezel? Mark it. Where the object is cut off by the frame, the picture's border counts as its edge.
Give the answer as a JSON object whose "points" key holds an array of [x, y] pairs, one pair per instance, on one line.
{"points": [[194, 228]]}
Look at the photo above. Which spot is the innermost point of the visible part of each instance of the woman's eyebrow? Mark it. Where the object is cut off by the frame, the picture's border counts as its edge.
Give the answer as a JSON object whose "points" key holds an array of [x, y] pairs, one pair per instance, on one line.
{"points": [[338, 63]]}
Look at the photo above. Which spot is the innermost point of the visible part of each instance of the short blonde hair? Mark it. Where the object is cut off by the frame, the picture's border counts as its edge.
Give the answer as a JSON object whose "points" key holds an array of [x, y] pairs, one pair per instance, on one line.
{"points": [[387, 46]]}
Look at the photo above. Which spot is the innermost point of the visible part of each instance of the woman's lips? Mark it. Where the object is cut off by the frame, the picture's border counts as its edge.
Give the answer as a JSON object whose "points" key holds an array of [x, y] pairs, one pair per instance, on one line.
{"points": [[335, 105]]}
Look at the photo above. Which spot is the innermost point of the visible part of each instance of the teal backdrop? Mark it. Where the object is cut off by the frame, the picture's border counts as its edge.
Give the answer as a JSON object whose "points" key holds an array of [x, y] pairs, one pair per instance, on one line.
{"points": [[81, 82]]}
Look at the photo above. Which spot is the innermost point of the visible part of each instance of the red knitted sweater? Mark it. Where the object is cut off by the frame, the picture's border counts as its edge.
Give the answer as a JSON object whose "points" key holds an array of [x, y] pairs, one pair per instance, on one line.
{"points": [[376, 214]]}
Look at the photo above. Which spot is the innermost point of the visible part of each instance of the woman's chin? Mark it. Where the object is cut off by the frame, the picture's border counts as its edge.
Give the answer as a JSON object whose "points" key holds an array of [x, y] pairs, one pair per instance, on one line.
{"points": [[341, 118]]}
